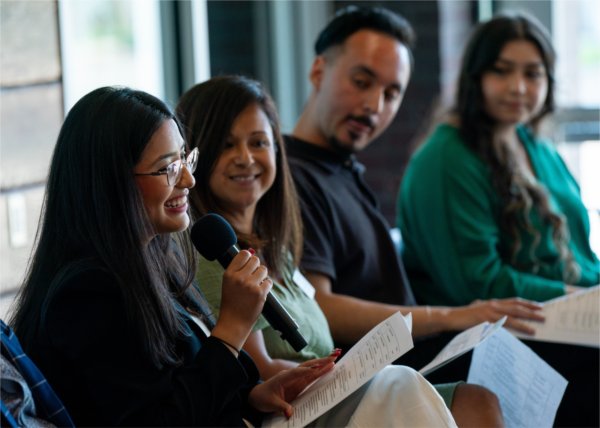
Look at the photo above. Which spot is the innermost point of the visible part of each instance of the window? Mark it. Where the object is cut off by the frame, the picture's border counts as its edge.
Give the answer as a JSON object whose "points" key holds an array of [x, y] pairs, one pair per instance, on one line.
{"points": [[110, 43], [577, 41]]}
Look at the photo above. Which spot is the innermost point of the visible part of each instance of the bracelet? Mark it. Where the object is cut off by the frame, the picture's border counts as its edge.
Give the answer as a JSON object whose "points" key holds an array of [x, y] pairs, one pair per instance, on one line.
{"points": [[224, 342]]}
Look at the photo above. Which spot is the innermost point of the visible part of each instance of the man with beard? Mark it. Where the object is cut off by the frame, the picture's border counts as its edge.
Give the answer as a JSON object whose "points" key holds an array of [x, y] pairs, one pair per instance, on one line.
{"points": [[359, 76]]}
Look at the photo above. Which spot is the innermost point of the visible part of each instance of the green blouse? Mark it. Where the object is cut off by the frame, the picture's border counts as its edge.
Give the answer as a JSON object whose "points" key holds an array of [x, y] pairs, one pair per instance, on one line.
{"points": [[305, 311], [453, 248]]}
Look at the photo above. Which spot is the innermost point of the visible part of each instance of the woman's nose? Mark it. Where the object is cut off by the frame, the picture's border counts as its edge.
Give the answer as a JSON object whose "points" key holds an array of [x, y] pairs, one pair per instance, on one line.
{"points": [[187, 179], [518, 84], [243, 156]]}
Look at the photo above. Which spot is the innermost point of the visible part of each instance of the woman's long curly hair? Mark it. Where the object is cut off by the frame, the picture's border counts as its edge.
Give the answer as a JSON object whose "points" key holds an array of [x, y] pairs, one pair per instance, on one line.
{"points": [[519, 195]]}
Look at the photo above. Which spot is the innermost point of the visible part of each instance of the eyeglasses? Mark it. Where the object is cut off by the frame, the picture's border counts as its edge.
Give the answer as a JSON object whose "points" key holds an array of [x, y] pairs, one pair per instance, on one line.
{"points": [[174, 169]]}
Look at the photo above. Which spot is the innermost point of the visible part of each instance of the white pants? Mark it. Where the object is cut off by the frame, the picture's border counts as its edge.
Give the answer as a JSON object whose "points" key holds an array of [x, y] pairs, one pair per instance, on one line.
{"points": [[397, 396]]}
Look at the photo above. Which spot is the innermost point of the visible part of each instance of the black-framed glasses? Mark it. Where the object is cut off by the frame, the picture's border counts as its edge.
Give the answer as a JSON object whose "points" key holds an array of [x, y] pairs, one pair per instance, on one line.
{"points": [[174, 169]]}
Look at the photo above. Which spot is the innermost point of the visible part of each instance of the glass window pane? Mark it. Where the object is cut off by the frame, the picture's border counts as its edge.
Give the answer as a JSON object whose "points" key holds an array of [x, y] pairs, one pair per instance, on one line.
{"points": [[583, 159], [110, 43], [577, 40]]}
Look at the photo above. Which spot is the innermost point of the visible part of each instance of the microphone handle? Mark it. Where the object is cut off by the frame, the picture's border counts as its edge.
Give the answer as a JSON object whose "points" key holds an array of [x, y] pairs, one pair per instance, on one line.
{"points": [[283, 322], [273, 310]]}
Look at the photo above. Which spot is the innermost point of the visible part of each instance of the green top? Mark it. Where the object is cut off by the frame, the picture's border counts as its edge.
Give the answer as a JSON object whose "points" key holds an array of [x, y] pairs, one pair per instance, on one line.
{"points": [[304, 310], [454, 251]]}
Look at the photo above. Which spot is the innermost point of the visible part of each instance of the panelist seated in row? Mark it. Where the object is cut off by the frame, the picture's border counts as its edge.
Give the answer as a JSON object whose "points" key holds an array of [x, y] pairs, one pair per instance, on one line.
{"points": [[487, 208], [108, 311]]}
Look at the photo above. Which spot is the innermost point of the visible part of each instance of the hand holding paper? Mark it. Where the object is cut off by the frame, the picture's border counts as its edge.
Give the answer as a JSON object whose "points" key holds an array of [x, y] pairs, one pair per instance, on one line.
{"points": [[380, 347], [573, 318]]}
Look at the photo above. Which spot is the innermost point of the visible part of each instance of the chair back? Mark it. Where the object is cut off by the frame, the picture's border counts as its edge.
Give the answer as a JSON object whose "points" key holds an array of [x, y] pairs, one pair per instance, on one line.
{"points": [[27, 398]]}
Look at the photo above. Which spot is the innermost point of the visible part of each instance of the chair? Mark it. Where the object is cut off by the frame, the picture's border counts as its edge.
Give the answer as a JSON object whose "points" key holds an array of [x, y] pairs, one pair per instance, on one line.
{"points": [[27, 399]]}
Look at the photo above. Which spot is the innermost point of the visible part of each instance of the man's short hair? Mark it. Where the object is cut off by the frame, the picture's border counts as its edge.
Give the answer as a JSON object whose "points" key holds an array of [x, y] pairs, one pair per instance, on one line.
{"points": [[351, 19]]}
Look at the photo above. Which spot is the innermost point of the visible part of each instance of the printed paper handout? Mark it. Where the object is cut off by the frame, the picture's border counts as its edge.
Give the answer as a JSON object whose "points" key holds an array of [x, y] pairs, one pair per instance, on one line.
{"points": [[503, 364], [462, 343], [381, 346], [573, 318], [529, 389]]}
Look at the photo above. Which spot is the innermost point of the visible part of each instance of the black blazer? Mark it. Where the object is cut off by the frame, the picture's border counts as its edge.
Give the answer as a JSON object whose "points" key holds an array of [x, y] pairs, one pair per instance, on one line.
{"points": [[90, 355]]}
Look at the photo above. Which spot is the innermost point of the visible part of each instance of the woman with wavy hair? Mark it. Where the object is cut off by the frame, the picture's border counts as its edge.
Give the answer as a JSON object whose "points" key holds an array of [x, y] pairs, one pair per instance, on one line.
{"points": [[487, 209]]}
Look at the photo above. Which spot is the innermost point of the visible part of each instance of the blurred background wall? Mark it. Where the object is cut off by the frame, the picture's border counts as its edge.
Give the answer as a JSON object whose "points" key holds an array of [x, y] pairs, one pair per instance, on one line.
{"points": [[31, 111], [54, 51]]}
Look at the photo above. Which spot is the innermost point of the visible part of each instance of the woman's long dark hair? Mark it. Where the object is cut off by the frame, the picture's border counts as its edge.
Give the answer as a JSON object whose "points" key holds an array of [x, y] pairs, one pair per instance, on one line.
{"points": [[518, 194], [93, 215], [208, 111]]}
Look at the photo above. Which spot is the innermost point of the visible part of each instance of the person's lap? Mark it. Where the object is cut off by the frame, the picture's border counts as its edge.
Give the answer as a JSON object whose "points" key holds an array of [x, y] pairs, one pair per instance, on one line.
{"points": [[579, 365], [396, 396]]}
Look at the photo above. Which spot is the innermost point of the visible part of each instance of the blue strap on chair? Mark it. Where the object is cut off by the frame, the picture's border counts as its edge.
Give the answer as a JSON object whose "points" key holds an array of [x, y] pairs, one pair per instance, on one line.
{"points": [[7, 417], [48, 405]]}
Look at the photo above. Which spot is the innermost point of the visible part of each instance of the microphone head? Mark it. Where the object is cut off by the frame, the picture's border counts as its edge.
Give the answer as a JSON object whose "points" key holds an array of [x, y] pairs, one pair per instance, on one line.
{"points": [[212, 236]]}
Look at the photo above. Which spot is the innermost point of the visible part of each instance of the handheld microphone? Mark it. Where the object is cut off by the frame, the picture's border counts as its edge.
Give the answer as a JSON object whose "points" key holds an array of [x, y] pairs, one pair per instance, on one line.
{"points": [[215, 239]]}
